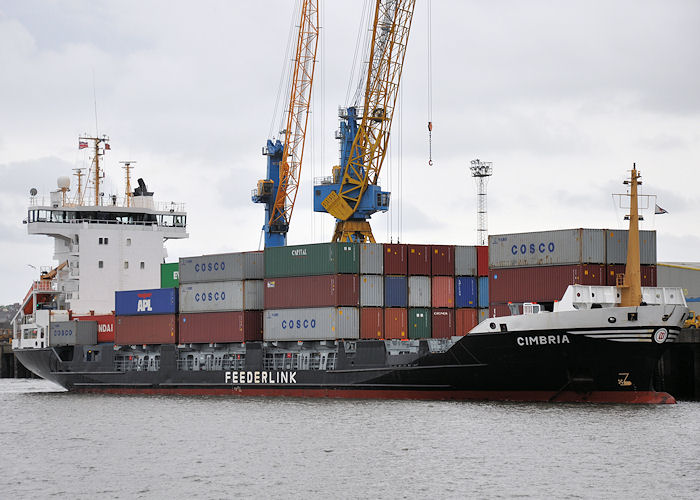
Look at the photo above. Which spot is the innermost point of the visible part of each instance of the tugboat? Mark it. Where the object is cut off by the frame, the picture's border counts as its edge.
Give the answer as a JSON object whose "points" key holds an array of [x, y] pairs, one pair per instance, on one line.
{"points": [[599, 344]]}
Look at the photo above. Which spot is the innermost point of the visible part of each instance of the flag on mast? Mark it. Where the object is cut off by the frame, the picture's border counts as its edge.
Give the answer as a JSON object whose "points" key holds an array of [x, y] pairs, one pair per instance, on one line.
{"points": [[82, 144], [658, 210]]}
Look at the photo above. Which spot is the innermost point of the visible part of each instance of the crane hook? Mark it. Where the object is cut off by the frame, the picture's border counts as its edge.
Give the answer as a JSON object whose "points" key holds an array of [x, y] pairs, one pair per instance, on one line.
{"points": [[430, 144]]}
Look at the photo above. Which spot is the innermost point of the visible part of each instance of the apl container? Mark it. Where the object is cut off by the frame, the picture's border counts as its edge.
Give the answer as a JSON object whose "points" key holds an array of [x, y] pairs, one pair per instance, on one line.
{"points": [[482, 260], [333, 290], [105, 325], [314, 259], [465, 261], [647, 274], [371, 323], [395, 291], [466, 319], [443, 323], [483, 293], [221, 327], [419, 323], [371, 258], [371, 290], [547, 248], [443, 291], [418, 260], [170, 275], [617, 242], [72, 333], [320, 323], [419, 291], [221, 296], [144, 302], [142, 330], [395, 259], [465, 291], [395, 323], [222, 267], [443, 260]]}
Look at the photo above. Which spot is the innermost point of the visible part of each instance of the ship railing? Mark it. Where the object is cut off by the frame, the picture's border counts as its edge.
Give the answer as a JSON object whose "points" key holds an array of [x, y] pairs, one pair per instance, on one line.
{"points": [[137, 364], [105, 201]]}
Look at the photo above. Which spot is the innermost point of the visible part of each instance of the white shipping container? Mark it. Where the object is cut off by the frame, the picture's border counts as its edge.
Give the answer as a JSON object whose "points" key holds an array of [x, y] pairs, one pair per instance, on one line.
{"points": [[465, 261], [222, 267], [221, 296], [372, 290], [319, 323], [371, 258], [419, 291]]}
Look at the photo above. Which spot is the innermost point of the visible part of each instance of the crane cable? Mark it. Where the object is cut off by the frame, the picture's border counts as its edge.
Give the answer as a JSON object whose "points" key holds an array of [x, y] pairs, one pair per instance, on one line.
{"points": [[430, 85]]}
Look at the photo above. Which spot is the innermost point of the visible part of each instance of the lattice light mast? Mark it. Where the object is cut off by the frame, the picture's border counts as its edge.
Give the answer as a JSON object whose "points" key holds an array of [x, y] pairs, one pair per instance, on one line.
{"points": [[481, 171]]}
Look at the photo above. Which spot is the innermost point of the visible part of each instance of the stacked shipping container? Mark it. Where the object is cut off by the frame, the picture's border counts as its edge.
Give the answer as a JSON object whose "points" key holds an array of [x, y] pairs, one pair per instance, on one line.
{"points": [[471, 265], [146, 316]]}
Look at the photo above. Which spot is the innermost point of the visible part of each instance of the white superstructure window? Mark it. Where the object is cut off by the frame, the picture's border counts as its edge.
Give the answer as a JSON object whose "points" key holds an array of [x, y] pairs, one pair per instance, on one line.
{"points": [[126, 264], [143, 265], [100, 264], [128, 242], [100, 241], [106, 240]]}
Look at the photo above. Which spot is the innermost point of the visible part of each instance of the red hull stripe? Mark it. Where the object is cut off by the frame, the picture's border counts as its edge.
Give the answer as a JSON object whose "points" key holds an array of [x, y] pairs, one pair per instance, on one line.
{"points": [[645, 397]]}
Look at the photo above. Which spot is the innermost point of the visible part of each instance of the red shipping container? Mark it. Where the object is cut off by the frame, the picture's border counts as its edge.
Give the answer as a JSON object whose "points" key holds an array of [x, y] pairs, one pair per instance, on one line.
{"points": [[500, 310], [371, 323], [540, 284], [395, 323], [443, 260], [105, 325], [466, 320], [147, 329], [443, 323], [395, 259], [221, 327], [332, 290], [418, 260], [443, 291], [482, 261], [648, 274]]}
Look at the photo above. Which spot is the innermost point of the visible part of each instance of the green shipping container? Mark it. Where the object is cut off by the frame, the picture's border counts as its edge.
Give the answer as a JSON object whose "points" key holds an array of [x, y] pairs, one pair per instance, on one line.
{"points": [[312, 260], [170, 275], [419, 323]]}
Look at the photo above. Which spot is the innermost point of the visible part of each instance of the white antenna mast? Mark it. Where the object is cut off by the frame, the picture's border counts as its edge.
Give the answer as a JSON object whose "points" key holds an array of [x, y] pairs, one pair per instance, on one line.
{"points": [[481, 171]]}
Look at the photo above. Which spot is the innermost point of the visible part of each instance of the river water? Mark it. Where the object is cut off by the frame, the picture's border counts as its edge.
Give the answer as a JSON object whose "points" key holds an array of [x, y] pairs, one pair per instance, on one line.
{"points": [[63, 445]]}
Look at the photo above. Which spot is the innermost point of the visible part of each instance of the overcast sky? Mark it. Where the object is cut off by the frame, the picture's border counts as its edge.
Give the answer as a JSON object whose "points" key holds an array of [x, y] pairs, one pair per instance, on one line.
{"points": [[561, 96]]}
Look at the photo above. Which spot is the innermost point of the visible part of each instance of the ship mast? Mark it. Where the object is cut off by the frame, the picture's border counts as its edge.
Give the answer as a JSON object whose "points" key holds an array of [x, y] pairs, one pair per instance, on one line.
{"points": [[127, 167], [631, 288], [79, 174], [96, 160]]}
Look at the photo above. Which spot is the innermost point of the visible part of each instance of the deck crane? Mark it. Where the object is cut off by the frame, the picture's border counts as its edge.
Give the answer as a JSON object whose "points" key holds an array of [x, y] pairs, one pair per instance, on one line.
{"points": [[351, 194], [279, 190]]}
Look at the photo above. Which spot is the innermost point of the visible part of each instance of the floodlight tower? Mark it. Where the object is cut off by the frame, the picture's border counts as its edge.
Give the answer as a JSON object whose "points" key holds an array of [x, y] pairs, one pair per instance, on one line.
{"points": [[481, 171]]}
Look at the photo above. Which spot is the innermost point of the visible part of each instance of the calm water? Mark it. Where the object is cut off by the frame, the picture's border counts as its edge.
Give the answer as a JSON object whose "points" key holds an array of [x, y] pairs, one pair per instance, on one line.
{"points": [[56, 444]]}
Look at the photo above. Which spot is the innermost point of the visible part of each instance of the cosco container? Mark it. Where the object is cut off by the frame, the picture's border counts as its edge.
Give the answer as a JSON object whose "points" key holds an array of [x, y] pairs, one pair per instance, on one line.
{"points": [[314, 259], [443, 323], [144, 302], [312, 291], [547, 248], [140, 330], [419, 323], [372, 290], [443, 260], [466, 320], [647, 274], [319, 323], [371, 258], [72, 333], [220, 296], [395, 323], [170, 275], [220, 327], [617, 242], [540, 284], [443, 291], [483, 298], [105, 325], [395, 291], [482, 260], [222, 267], [418, 260], [395, 259], [465, 261], [371, 323], [419, 291], [465, 291]]}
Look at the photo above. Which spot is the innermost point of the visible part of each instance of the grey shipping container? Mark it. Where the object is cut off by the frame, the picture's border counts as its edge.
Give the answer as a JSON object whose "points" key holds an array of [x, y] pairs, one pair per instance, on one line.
{"points": [[547, 248], [684, 275], [220, 296], [371, 258], [372, 290], [222, 267], [419, 291], [465, 261], [320, 323], [616, 241], [73, 333]]}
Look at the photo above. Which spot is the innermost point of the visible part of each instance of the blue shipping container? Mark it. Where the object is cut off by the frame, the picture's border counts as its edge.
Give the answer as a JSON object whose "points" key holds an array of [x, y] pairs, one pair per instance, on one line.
{"points": [[395, 291], [140, 302], [483, 292], [465, 291]]}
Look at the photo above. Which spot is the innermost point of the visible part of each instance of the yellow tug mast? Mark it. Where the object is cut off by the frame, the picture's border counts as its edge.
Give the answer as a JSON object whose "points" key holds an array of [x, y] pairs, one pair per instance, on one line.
{"points": [[631, 286]]}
